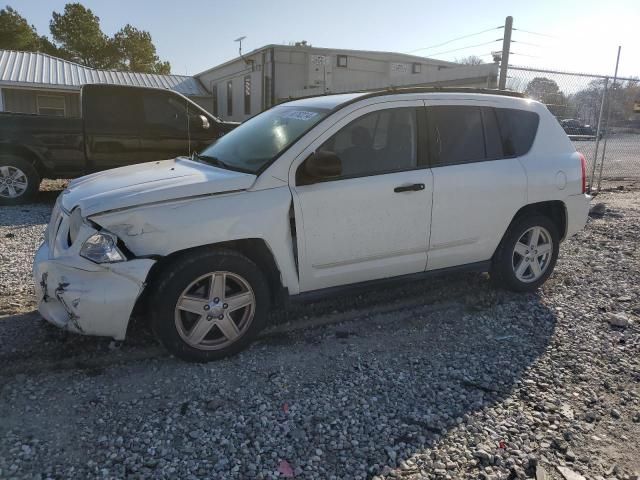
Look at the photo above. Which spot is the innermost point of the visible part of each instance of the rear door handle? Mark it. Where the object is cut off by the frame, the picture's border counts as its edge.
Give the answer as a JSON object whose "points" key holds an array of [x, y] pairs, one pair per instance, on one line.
{"points": [[416, 187]]}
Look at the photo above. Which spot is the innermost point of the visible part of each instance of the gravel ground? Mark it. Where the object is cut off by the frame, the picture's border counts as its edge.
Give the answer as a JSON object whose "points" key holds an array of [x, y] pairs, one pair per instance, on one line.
{"points": [[21, 232], [445, 378]]}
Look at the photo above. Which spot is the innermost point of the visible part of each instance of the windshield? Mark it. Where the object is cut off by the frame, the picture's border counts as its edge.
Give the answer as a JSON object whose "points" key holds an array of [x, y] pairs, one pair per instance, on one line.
{"points": [[257, 142]]}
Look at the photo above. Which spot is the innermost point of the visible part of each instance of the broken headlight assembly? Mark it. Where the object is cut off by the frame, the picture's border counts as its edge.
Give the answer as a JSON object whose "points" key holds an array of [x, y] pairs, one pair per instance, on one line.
{"points": [[102, 247]]}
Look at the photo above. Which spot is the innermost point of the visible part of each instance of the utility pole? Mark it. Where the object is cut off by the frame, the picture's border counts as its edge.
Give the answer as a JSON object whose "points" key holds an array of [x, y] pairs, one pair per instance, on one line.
{"points": [[506, 45]]}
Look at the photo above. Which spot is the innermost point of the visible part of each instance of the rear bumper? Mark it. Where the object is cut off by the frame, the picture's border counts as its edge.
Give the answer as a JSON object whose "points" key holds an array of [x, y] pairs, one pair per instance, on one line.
{"points": [[83, 297], [577, 212]]}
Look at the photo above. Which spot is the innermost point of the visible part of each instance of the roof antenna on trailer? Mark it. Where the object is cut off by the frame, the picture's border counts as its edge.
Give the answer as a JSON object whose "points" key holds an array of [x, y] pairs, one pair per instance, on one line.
{"points": [[239, 40]]}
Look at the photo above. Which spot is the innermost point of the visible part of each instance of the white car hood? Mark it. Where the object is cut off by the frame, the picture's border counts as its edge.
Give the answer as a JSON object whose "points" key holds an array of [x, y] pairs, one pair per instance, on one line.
{"points": [[148, 183]]}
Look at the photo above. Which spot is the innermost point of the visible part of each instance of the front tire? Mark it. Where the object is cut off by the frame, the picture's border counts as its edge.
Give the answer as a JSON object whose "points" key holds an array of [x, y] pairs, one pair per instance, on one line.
{"points": [[527, 254], [209, 305], [19, 180]]}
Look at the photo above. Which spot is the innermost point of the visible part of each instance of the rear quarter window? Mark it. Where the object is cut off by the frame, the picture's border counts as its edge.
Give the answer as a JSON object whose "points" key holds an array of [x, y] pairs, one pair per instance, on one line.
{"points": [[518, 129]]}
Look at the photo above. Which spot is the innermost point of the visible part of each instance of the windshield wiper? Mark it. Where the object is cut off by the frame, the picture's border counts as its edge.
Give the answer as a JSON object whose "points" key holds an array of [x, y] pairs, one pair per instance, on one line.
{"points": [[212, 160]]}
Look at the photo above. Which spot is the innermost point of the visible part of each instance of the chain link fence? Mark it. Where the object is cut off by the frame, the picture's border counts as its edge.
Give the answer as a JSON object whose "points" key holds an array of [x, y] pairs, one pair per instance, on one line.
{"points": [[601, 116]]}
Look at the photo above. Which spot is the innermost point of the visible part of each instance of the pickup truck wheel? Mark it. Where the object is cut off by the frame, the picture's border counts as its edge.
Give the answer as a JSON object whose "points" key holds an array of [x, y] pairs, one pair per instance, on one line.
{"points": [[527, 254], [19, 180], [209, 305]]}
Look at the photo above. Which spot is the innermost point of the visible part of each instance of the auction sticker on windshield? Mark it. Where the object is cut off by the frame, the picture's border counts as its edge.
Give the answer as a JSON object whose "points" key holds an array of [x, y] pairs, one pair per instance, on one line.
{"points": [[300, 115]]}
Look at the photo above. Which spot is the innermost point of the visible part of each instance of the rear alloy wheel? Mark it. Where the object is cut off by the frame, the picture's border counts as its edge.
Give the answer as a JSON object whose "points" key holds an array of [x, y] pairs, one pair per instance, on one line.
{"points": [[532, 254], [209, 305], [19, 180], [527, 255]]}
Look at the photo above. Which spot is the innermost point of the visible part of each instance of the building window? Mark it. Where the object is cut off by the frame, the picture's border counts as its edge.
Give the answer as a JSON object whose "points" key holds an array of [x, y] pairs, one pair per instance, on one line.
{"points": [[247, 95], [51, 105], [229, 98], [342, 61], [417, 68], [214, 95]]}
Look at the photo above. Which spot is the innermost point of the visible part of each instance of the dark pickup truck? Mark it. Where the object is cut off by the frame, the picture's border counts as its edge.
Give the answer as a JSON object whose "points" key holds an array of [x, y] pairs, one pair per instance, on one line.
{"points": [[119, 126], [577, 130]]}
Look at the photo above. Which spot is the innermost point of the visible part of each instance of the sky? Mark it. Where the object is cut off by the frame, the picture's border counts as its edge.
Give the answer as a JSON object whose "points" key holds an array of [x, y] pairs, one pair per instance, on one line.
{"points": [[195, 35]]}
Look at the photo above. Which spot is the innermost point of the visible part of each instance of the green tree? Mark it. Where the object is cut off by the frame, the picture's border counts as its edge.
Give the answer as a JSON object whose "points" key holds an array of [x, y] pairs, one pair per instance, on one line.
{"points": [[78, 37], [546, 90], [78, 33], [17, 34], [137, 53]]}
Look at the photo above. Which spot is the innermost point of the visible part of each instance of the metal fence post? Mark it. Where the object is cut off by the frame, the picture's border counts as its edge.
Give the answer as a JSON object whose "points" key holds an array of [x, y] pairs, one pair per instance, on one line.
{"points": [[595, 154], [606, 137]]}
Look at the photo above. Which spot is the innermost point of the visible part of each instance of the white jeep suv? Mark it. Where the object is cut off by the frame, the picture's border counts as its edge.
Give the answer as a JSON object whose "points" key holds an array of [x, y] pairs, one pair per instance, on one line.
{"points": [[309, 196]]}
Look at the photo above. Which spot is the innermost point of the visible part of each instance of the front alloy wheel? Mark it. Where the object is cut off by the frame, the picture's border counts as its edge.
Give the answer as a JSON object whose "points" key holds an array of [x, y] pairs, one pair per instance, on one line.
{"points": [[208, 304], [215, 310]]}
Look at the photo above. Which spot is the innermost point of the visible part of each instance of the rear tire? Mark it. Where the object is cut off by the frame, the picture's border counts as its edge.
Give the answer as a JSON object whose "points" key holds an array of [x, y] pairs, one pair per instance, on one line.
{"points": [[19, 180], [209, 305], [527, 254]]}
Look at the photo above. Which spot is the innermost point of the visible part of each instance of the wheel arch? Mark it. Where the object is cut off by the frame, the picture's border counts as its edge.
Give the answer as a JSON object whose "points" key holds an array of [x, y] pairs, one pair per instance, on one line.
{"points": [[26, 154], [555, 210], [256, 249]]}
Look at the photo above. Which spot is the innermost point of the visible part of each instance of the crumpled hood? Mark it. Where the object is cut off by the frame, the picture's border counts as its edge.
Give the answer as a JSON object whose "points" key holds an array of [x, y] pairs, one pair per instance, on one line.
{"points": [[150, 182]]}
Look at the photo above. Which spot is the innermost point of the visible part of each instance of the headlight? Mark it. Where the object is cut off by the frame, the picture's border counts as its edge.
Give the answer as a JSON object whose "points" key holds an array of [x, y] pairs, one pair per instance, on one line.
{"points": [[75, 222], [101, 247]]}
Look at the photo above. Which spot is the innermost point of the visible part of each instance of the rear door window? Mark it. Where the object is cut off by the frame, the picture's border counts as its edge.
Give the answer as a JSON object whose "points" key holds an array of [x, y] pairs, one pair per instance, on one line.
{"points": [[493, 139], [459, 135], [111, 111], [464, 134]]}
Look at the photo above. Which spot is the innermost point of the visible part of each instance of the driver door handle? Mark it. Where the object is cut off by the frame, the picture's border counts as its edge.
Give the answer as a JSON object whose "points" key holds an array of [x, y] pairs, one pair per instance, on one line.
{"points": [[416, 187]]}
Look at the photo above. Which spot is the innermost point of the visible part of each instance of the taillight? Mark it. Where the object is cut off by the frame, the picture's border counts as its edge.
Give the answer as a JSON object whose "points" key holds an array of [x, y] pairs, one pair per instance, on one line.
{"points": [[583, 167]]}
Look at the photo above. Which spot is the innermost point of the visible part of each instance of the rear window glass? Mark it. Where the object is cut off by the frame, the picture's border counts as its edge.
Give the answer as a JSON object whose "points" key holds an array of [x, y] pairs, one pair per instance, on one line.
{"points": [[518, 129]]}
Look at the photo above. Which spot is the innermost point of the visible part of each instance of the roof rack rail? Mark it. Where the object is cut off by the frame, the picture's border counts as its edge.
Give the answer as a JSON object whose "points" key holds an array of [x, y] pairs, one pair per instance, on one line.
{"points": [[439, 89], [411, 89]]}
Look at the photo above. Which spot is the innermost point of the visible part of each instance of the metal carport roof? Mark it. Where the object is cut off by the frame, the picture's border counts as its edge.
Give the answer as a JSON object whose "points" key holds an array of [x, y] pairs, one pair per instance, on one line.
{"points": [[39, 70]]}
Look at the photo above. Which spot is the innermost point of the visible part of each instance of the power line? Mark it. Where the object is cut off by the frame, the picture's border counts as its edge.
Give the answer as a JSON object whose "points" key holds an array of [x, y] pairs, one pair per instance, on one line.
{"points": [[535, 33], [525, 55], [529, 43], [456, 39], [464, 48]]}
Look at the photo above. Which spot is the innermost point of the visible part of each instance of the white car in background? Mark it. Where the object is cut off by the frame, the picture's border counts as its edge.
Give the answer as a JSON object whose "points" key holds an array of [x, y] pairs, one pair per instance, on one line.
{"points": [[309, 197]]}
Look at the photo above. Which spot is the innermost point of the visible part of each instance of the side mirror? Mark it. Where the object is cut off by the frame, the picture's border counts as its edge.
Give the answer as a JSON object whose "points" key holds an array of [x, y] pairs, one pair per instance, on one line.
{"points": [[323, 165], [205, 122]]}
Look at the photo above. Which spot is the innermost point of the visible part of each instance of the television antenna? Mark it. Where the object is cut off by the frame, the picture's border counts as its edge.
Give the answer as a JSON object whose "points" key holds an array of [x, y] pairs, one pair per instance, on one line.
{"points": [[239, 40]]}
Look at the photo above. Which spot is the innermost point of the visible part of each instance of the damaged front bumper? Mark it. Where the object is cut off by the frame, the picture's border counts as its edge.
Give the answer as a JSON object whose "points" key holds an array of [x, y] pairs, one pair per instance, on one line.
{"points": [[84, 297]]}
